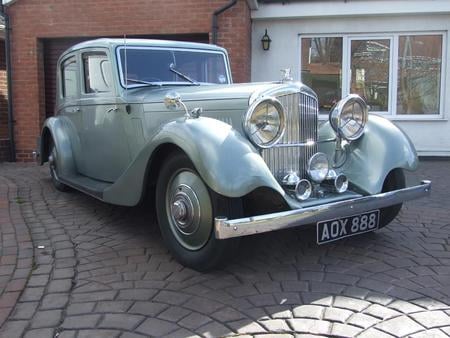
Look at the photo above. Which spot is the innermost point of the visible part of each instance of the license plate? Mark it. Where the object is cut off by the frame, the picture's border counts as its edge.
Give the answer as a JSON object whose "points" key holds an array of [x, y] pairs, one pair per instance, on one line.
{"points": [[334, 229]]}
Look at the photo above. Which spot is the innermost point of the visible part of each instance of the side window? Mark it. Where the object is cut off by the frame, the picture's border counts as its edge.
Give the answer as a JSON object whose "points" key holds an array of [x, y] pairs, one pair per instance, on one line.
{"points": [[69, 77], [97, 73]]}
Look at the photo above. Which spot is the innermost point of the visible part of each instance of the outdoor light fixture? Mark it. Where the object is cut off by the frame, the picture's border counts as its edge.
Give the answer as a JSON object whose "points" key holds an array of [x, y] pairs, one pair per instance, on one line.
{"points": [[266, 41]]}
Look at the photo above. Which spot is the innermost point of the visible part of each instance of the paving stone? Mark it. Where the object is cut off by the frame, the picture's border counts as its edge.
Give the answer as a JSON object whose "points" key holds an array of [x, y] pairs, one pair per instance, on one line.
{"points": [[136, 294], [174, 314], [170, 297], [13, 329], [432, 319], [275, 325], [114, 306], [61, 285], [214, 329], [40, 333], [308, 311], [194, 321], [246, 327], [401, 326], [80, 308], [336, 314], [313, 326], [55, 301], [156, 327], [350, 303], [374, 333], [379, 311], [49, 318], [98, 333], [434, 333], [362, 320], [121, 321], [24, 310], [345, 330], [80, 322]]}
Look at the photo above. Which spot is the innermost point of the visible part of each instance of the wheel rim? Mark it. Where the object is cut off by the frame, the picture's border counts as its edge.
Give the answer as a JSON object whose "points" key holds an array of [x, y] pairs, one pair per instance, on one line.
{"points": [[188, 208], [52, 159]]}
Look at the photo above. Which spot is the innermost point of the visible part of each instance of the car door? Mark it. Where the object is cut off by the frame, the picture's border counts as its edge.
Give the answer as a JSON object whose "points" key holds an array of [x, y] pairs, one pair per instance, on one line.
{"points": [[104, 143], [68, 108]]}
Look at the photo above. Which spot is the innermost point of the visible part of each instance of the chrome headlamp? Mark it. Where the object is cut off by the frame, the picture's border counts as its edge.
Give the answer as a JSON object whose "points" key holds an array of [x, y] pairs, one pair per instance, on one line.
{"points": [[349, 117], [265, 122]]}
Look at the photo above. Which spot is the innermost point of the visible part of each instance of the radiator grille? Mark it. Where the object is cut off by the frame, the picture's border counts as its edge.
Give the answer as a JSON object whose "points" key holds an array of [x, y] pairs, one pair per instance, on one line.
{"points": [[302, 120]]}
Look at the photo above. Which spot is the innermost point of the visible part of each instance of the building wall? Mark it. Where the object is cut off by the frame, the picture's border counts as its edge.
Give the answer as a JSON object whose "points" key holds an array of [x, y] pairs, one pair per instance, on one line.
{"points": [[33, 21], [430, 136], [4, 140]]}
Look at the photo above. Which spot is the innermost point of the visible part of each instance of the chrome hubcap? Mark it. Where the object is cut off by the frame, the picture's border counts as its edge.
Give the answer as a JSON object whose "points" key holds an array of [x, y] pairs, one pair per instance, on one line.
{"points": [[189, 209]]}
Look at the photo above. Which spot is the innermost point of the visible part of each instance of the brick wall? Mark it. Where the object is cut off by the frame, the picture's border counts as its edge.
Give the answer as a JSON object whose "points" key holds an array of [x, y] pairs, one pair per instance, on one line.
{"points": [[34, 20], [4, 141]]}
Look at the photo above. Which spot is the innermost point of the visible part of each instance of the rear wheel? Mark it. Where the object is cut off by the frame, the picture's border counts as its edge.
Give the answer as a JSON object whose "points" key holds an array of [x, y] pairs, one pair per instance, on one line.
{"points": [[186, 209], [395, 180], [53, 164]]}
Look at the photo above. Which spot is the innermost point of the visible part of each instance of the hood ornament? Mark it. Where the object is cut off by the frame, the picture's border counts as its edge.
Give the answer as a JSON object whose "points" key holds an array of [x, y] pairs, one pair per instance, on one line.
{"points": [[286, 73]]}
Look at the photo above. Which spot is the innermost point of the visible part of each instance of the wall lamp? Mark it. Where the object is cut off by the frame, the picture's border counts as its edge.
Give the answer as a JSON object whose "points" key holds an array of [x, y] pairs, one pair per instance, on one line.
{"points": [[266, 41]]}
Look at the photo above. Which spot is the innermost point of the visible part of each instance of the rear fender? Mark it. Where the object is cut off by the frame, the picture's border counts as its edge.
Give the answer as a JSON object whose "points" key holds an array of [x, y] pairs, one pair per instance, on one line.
{"points": [[55, 128]]}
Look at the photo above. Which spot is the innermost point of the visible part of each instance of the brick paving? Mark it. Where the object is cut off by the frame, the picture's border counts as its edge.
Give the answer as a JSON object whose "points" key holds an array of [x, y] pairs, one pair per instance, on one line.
{"points": [[96, 270]]}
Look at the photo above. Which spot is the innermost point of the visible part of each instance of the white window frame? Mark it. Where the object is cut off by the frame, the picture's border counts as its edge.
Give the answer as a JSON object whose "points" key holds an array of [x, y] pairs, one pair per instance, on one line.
{"points": [[393, 68]]}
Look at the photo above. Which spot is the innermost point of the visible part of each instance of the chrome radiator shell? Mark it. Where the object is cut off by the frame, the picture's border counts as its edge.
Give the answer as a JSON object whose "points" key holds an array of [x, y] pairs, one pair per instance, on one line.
{"points": [[299, 142]]}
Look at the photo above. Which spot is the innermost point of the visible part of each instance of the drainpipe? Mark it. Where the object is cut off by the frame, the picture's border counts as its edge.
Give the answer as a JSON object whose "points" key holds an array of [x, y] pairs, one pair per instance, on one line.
{"points": [[216, 13], [12, 145]]}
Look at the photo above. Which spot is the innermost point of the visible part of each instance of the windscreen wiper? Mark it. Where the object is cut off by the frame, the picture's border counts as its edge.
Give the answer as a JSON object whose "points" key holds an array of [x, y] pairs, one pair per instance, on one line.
{"points": [[184, 76], [144, 82]]}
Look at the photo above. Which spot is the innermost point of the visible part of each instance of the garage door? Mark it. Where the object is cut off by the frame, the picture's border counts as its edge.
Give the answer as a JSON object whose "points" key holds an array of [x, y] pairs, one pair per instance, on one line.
{"points": [[53, 48]]}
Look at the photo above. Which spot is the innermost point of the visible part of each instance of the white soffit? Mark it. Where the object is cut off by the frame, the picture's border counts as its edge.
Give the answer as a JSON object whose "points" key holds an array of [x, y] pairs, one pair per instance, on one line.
{"points": [[320, 8]]}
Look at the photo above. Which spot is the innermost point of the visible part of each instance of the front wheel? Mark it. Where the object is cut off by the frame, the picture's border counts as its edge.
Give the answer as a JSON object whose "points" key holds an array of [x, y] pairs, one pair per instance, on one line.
{"points": [[186, 209], [394, 180]]}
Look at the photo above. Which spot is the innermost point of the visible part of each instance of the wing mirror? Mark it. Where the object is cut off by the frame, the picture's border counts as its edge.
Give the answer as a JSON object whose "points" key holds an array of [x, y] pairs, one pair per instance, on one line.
{"points": [[172, 100]]}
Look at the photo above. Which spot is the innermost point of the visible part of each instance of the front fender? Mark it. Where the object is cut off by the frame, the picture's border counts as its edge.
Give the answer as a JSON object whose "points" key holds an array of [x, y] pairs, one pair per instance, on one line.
{"points": [[382, 148], [55, 128], [225, 160]]}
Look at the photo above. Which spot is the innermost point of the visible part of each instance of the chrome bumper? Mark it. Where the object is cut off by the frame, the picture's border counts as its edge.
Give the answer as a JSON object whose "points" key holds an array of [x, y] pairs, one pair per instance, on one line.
{"points": [[225, 228]]}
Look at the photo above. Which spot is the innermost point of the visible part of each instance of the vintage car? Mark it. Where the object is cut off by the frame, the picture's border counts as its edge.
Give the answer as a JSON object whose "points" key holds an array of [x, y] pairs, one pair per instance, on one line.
{"points": [[221, 160]]}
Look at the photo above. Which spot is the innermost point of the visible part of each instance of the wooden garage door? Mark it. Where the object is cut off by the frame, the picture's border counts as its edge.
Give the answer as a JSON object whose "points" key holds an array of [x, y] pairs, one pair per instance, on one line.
{"points": [[53, 48]]}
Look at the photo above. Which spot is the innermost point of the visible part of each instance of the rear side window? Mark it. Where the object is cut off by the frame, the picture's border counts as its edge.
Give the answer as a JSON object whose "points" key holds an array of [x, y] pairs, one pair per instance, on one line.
{"points": [[69, 77], [97, 73]]}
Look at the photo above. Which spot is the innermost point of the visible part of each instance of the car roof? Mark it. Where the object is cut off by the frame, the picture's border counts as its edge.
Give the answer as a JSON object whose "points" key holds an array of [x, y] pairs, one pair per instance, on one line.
{"points": [[112, 43]]}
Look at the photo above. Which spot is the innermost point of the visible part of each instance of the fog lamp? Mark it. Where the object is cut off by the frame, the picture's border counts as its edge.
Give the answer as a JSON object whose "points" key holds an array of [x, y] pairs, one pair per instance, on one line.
{"points": [[318, 167]]}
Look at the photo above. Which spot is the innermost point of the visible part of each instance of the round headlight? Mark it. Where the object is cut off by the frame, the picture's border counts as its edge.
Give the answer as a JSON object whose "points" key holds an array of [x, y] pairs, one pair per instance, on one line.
{"points": [[265, 122], [318, 167], [349, 117]]}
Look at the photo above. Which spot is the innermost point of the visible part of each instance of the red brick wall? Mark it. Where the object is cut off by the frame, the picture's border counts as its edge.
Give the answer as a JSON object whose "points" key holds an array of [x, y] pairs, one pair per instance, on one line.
{"points": [[3, 94], [34, 20]]}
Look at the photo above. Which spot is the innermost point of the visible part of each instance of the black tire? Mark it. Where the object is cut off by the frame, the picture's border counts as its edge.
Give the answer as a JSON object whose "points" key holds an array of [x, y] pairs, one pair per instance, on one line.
{"points": [[53, 164], [394, 180], [192, 242]]}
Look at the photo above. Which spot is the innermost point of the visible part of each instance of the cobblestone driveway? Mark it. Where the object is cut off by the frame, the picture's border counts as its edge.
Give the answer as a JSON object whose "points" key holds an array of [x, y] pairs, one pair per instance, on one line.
{"points": [[103, 271]]}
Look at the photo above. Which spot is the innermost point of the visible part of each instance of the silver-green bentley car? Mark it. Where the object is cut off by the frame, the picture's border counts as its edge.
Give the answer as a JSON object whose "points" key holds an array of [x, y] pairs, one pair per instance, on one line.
{"points": [[222, 160]]}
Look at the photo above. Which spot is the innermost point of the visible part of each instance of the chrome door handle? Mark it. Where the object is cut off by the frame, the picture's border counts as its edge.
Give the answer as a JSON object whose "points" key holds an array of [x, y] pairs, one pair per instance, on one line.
{"points": [[75, 110], [110, 110]]}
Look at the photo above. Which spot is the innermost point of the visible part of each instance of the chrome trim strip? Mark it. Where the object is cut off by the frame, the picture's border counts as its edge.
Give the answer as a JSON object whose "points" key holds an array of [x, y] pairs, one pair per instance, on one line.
{"points": [[294, 218]]}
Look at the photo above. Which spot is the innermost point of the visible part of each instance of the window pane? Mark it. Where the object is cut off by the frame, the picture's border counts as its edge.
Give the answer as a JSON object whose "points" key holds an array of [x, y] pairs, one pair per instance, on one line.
{"points": [[153, 65], [97, 73], [321, 69], [69, 78], [419, 74], [370, 72]]}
